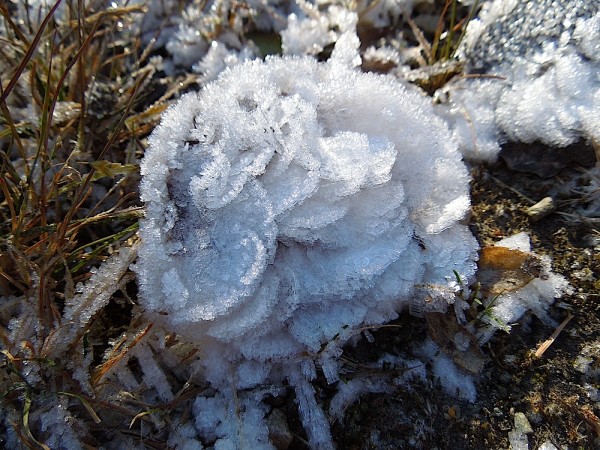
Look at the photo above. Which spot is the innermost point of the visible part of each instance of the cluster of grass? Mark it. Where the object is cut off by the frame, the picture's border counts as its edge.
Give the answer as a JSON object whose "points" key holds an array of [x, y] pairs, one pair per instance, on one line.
{"points": [[70, 141], [440, 50], [435, 61], [76, 103]]}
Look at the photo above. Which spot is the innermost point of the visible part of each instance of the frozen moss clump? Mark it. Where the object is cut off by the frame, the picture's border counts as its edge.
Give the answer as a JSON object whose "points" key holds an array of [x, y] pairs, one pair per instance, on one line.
{"points": [[289, 204]]}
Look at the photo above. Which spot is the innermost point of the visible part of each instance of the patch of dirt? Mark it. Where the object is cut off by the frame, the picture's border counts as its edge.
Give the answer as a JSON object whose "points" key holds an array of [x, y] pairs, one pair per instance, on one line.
{"points": [[559, 391]]}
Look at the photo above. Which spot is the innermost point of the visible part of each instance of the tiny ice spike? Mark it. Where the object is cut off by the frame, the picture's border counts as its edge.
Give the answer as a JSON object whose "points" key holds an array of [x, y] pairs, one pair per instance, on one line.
{"points": [[291, 201]]}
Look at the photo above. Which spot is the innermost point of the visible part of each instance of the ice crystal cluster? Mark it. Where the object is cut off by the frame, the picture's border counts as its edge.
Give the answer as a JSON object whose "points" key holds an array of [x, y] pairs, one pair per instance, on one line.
{"points": [[318, 24], [310, 34], [539, 62], [290, 204]]}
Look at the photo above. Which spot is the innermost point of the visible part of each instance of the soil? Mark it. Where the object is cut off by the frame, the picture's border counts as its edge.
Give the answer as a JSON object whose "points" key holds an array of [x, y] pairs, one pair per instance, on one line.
{"points": [[557, 392]]}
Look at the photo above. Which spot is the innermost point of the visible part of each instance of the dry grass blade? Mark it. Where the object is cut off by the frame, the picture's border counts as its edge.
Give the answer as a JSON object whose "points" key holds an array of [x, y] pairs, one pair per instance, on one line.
{"points": [[439, 29], [30, 51], [425, 46], [111, 14], [33, 442], [85, 404], [114, 358], [7, 166], [463, 25], [143, 414], [8, 198], [547, 343]]}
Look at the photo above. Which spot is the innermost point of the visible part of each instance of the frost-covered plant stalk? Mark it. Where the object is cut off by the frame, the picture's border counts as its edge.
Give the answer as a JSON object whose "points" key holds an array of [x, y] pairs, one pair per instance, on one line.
{"points": [[289, 204]]}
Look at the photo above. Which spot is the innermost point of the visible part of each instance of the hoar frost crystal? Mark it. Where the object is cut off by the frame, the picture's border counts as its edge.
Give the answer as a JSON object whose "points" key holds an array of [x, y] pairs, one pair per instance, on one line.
{"points": [[289, 204]]}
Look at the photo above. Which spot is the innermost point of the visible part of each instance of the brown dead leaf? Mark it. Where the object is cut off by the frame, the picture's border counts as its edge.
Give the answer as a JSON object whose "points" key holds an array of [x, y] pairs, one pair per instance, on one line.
{"points": [[502, 269], [502, 258]]}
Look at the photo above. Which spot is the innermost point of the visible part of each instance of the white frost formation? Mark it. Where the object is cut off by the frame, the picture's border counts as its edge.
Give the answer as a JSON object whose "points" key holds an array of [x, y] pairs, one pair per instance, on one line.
{"points": [[218, 58], [311, 34], [289, 204], [544, 59]]}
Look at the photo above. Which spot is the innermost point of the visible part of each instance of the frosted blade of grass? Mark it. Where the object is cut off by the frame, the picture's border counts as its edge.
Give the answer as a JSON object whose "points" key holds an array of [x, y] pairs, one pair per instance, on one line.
{"points": [[92, 297]]}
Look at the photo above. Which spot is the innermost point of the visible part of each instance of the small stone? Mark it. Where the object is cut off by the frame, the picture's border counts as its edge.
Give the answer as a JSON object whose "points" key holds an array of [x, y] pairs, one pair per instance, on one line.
{"points": [[547, 445], [522, 425], [584, 274], [541, 209], [518, 441]]}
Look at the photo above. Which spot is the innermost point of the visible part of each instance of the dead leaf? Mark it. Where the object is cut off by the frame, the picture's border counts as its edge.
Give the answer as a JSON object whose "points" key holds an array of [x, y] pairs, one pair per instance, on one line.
{"points": [[502, 258], [502, 269], [110, 169]]}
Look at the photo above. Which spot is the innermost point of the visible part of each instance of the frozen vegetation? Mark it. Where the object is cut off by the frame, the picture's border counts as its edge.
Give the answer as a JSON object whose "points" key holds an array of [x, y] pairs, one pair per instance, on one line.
{"points": [[534, 296]]}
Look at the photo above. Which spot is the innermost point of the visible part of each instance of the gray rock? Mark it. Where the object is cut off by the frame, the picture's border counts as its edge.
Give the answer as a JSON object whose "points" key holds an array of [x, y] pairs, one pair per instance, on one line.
{"points": [[525, 28], [522, 425]]}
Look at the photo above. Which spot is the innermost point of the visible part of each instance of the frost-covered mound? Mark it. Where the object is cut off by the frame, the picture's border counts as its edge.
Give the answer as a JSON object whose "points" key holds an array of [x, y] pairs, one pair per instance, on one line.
{"points": [[546, 55], [291, 203], [280, 201], [508, 30]]}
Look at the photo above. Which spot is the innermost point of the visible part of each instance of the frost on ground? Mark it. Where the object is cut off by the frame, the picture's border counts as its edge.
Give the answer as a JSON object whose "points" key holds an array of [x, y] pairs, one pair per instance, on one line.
{"points": [[25, 337], [286, 212], [538, 65]]}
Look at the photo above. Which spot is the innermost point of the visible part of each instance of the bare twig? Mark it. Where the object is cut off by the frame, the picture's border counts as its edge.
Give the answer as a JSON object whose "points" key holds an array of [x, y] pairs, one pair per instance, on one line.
{"points": [[547, 343]]}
